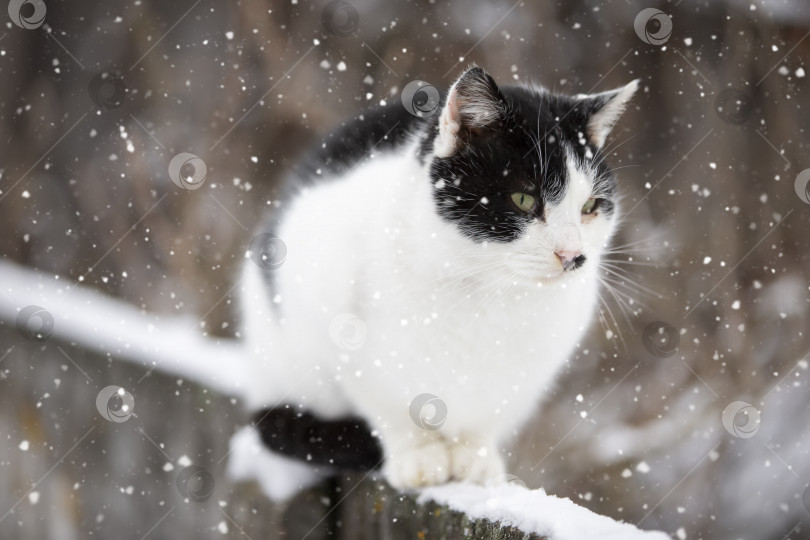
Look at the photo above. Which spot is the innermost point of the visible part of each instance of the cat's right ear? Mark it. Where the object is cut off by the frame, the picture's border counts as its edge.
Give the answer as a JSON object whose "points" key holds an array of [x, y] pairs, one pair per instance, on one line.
{"points": [[604, 110], [473, 104]]}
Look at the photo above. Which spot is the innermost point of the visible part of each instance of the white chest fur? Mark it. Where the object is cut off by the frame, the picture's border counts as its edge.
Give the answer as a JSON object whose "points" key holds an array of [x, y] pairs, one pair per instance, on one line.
{"points": [[437, 316]]}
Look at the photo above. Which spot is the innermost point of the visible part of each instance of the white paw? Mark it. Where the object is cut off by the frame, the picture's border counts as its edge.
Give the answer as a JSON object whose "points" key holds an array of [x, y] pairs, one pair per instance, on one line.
{"points": [[479, 465], [419, 466]]}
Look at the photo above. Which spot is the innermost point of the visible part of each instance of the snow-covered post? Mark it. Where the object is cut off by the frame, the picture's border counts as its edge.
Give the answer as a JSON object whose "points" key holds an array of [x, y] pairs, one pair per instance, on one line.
{"points": [[371, 509]]}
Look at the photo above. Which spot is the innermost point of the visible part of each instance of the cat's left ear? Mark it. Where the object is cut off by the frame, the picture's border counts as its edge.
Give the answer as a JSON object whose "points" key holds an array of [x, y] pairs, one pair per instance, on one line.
{"points": [[473, 105], [603, 111]]}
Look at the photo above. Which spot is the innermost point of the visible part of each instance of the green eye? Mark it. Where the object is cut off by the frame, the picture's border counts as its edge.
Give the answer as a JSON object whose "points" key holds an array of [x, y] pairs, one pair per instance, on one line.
{"points": [[590, 206], [524, 201]]}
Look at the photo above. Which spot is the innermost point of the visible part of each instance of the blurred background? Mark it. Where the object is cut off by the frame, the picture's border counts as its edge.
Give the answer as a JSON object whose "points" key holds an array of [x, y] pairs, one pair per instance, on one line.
{"points": [[685, 410]]}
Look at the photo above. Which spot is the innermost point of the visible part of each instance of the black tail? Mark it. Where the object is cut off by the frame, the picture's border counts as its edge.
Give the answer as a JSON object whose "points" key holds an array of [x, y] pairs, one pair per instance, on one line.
{"points": [[345, 444]]}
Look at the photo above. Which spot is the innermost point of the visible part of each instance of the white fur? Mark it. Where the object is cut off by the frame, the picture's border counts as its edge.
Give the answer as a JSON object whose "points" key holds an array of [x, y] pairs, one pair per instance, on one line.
{"points": [[447, 141], [280, 477], [483, 326]]}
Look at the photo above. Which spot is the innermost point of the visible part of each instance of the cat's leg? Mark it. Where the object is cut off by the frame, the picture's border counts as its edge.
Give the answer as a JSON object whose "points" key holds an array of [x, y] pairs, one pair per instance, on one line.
{"points": [[415, 458], [475, 458]]}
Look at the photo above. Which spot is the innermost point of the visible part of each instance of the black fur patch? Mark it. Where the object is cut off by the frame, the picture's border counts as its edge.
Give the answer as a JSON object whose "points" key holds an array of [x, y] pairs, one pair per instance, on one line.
{"points": [[523, 151], [375, 130], [346, 443]]}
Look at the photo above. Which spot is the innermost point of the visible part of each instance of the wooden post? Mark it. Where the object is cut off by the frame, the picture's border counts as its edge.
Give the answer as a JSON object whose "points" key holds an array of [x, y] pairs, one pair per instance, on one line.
{"points": [[354, 507]]}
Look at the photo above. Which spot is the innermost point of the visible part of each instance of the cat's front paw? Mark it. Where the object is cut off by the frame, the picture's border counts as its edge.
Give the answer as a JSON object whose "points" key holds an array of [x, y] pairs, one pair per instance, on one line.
{"points": [[419, 466], [476, 465]]}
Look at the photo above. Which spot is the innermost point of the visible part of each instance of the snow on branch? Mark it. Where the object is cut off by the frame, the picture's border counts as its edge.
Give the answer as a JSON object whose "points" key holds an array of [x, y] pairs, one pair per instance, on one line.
{"points": [[533, 512], [99, 323]]}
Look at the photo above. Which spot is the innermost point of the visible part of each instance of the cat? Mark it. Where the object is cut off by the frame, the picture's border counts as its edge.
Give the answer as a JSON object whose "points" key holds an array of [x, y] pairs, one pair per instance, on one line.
{"points": [[411, 301]]}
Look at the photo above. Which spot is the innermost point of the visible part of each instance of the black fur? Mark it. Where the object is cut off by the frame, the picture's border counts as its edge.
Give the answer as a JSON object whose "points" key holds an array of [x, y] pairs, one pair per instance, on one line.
{"points": [[375, 130], [523, 151], [346, 443]]}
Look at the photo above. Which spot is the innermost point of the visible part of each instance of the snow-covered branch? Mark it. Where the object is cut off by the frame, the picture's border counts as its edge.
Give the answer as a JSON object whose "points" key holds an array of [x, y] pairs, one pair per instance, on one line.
{"points": [[98, 323]]}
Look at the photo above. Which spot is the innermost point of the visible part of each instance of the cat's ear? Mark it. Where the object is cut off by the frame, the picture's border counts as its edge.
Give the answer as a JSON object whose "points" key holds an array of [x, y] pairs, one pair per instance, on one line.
{"points": [[473, 104], [603, 111]]}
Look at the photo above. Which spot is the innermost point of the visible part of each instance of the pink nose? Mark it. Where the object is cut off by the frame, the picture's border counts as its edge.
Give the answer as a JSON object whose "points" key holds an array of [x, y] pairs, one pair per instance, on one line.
{"points": [[570, 260]]}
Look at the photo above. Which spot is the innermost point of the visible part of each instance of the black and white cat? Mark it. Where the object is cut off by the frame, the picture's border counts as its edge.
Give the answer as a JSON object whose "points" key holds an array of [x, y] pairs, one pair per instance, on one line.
{"points": [[435, 279]]}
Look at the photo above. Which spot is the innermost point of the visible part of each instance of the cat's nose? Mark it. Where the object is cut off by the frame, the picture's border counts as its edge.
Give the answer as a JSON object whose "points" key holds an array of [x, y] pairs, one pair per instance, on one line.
{"points": [[570, 260]]}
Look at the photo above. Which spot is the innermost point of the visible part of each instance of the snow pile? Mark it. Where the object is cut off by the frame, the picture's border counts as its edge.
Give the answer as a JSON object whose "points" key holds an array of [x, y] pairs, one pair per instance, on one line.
{"points": [[279, 477], [105, 325], [533, 511]]}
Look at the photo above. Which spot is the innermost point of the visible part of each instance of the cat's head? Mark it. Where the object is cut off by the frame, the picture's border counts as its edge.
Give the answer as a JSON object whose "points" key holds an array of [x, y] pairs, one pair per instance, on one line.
{"points": [[521, 173]]}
